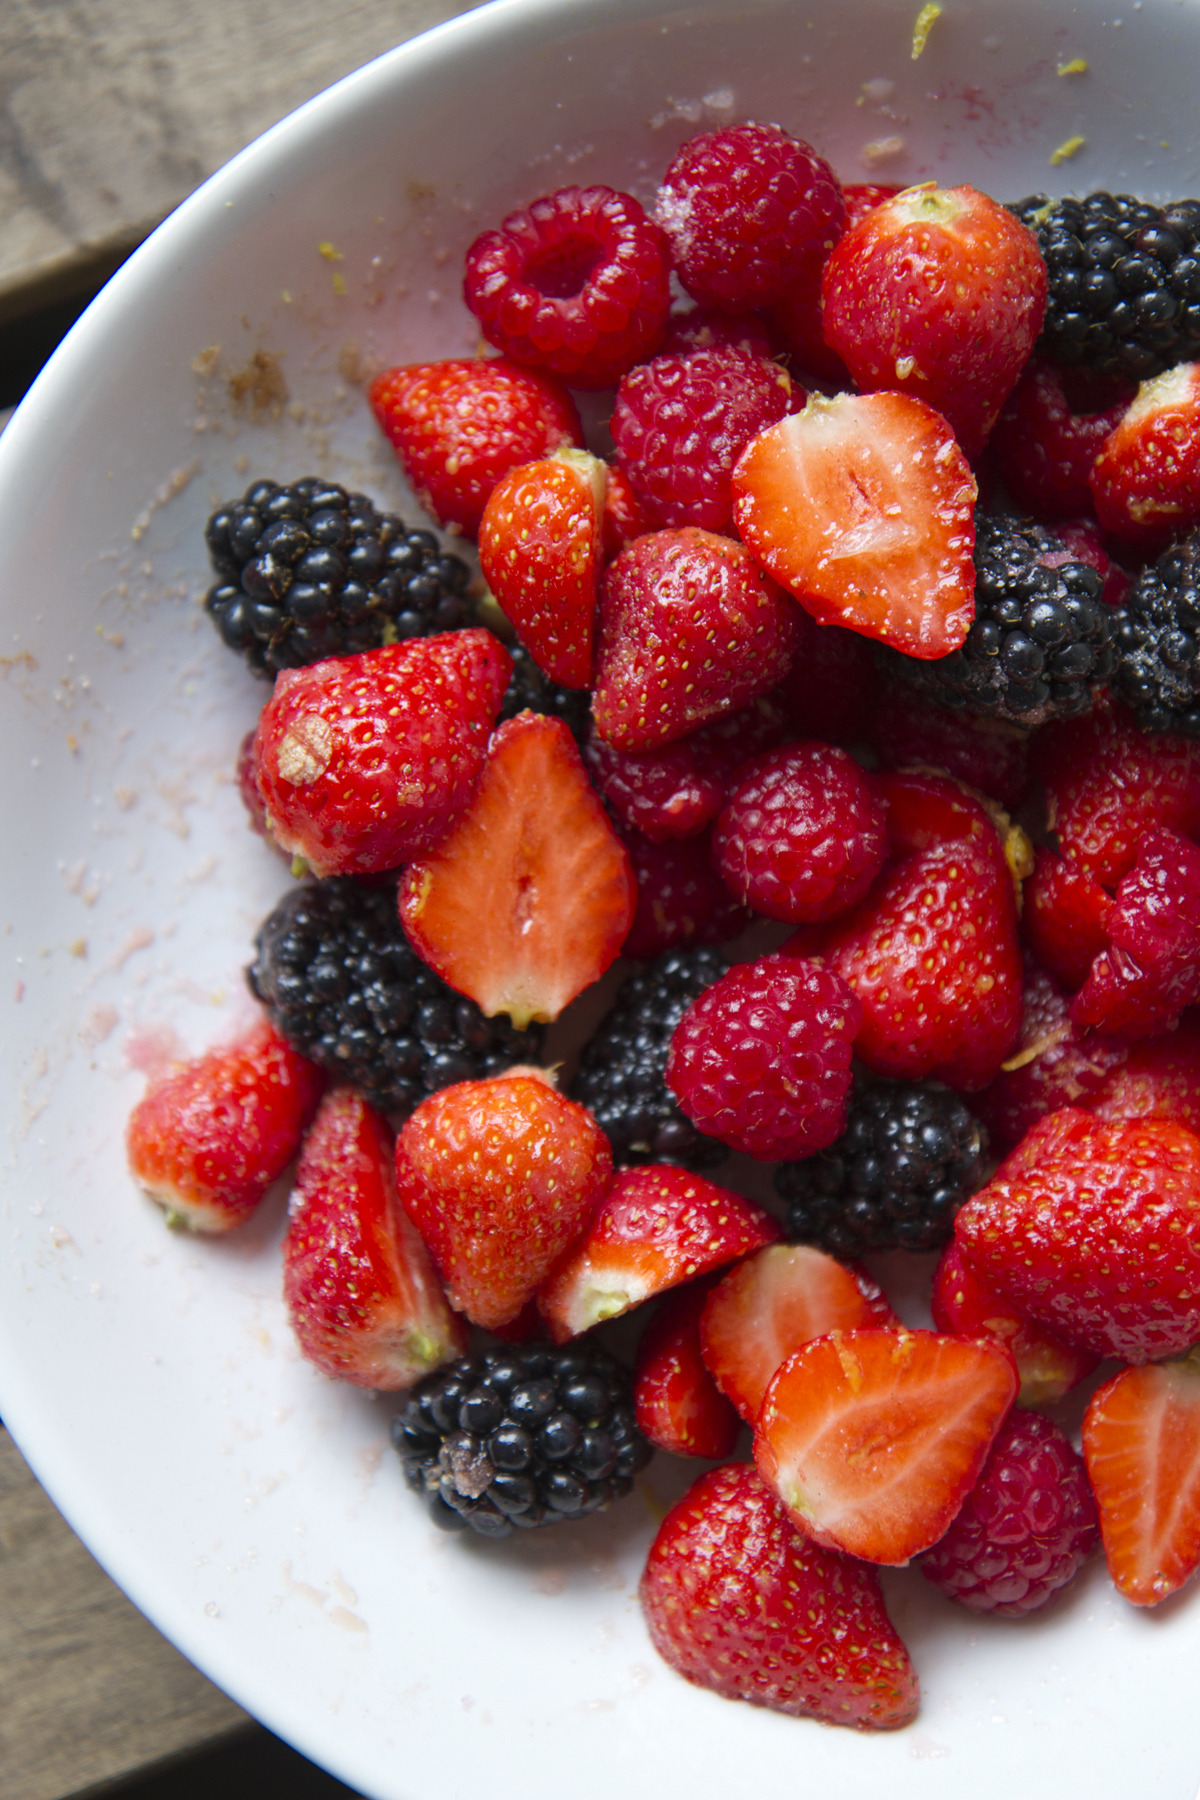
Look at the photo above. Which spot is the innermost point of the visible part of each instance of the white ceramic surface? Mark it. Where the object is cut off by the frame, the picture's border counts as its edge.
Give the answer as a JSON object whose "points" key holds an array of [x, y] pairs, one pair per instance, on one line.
{"points": [[250, 1507]]}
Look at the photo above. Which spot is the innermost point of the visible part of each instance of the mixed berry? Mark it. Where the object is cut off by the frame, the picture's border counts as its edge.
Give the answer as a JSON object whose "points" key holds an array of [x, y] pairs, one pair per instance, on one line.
{"points": [[879, 631]]}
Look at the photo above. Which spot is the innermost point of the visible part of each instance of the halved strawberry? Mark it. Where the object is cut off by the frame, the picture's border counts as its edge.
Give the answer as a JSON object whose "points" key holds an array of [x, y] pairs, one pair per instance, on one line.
{"points": [[659, 1225], [772, 1303], [1145, 480], [500, 1176], [679, 1406], [738, 1602], [210, 1136], [872, 1439], [964, 1306], [528, 897], [540, 552], [1141, 1444], [863, 507], [362, 1293]]}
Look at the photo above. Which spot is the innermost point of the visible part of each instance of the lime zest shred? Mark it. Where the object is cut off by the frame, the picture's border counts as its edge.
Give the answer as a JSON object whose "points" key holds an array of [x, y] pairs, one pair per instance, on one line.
{"points": [[926, 18], [1071, 147]]}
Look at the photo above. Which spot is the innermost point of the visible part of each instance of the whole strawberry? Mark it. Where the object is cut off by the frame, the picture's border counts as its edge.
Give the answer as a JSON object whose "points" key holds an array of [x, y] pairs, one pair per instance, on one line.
{"points": [[362, 1294], [938, 293], [364, 760], [459, 426], [208, 1139], [500, 1177], [689, 630], [736, 1600], [1092, 1230]]}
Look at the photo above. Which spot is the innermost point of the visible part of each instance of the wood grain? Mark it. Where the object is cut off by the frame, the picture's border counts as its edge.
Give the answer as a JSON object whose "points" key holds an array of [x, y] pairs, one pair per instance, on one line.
{"points": [[89, 1691], [112, 111]]}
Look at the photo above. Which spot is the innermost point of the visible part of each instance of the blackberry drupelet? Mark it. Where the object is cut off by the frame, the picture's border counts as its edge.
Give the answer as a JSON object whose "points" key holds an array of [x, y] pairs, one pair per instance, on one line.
{"points": [[1158, 642], [1041, 642], [529, 690], [520, 1437], [910, 1155], [1124, 281], [621, 1074], [340, 982], [309, 570]]}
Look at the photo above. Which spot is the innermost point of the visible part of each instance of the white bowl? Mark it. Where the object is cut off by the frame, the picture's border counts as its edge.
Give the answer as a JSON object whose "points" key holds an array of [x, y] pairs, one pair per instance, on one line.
{"points": [[250, 1507]]}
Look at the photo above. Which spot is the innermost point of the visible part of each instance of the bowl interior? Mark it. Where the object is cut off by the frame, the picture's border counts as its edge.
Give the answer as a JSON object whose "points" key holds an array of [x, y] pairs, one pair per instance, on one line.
{"points": [[249, 1506]]}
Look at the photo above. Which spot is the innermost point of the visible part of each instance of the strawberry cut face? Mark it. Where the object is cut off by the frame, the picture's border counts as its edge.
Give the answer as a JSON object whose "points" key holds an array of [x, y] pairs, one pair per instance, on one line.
{"points": [[863, 507]]}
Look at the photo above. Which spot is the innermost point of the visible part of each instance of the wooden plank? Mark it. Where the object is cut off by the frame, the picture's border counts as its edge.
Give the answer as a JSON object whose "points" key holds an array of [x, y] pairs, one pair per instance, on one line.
{"points": [[112, 111], [89, 1691]]}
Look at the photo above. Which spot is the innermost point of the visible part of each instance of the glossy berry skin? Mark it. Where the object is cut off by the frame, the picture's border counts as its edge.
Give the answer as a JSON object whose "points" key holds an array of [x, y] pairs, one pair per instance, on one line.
{"points": [[863, 507], [681, 422], [937, 293], [528, 896], [207, 1140], [681, 899], [362, 1294], [658, 1226], [1149, 971], [679, 1406], [540, 553], [1025, 1529], [964, 1306], [801, 836], [499, 1177], [364, 760], [575, 285], [935, 1000], [1157, 1079], [689, 630], [1145, 480], [1108, 783], [458, 426], [1141, 1444], [762, 1059], [737, 1601], [1045, 445], [745, 208], [1065, 917], [1092, 1231]]}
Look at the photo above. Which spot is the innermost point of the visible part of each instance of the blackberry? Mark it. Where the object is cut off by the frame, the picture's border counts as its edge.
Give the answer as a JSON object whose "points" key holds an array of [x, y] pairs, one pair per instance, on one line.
{"points": [[520, 1436], [308, 571], [1124, 281], [910, 1155], [341, 983], [1042, 638], [621, 1073], [1158, 642], [531, 691]]}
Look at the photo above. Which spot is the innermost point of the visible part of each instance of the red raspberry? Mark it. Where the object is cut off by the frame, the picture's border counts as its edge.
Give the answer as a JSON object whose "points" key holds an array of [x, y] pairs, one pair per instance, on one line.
{"points": [[1107, 783], [680, 897], [208, 1139], [701, 328], [1025, 1529], [988, 754], [1141, 983], [690, 629], [801, 837], [577, 285], [745, 208], [675, 792], [1052, 1065], [458, 426], [681, 422], [1048, 435], [1065, 918], [762, 1059], [364, 760]]}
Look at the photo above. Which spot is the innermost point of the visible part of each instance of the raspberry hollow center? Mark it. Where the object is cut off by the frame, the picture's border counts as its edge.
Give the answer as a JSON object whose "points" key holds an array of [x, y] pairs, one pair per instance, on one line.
{"points": [[563, 270]]}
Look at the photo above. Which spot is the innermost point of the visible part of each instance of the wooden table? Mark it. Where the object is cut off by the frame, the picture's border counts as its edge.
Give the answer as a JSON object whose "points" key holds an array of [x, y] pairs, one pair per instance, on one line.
{"points": [[112, 112]]}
